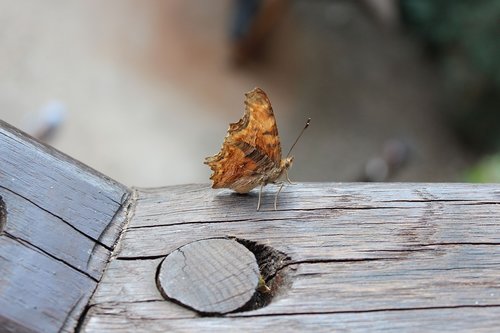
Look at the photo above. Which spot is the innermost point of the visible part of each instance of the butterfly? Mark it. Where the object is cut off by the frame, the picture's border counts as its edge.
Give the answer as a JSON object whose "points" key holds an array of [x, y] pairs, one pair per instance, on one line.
{"points": [[251, 152]]}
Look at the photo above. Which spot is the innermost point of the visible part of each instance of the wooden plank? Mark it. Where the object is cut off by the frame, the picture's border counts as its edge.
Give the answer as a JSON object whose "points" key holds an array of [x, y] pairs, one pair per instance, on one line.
{"points": [[442, 276], [38, 293], [377, 257], [114, 286], [140, 318], [82, 197], [344, 226], [200, 203], [52, 236], [59, 222]]}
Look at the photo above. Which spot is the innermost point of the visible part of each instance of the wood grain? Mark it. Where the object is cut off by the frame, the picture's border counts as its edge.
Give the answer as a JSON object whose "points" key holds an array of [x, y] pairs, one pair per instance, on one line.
{"points": [[139, 317], [38, 293], [48, 234], [377, 257], [210, 276], [59, 222], [77, 194]]}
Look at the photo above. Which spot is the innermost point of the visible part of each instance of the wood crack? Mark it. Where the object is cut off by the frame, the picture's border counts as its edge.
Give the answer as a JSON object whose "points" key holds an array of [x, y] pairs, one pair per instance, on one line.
{"points": [[257, 220], [58, 217], [71, 312], [142, 257], [341, 208], [128, 207], [211, 222], [460, 243], [414, 248], [83, 315], [314, 313], [460, 201], [27, 243], [327, 261], [3, 215], [187, 223], [158, 300]]}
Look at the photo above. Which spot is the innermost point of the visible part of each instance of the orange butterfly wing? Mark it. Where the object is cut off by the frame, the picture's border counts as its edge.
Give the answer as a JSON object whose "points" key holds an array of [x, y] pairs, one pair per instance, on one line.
{"points": [[251, 148]]}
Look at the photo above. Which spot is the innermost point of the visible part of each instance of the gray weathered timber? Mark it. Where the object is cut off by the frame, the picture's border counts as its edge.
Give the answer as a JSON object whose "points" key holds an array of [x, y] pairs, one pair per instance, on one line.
{"points": [[211, 276], [69, 190], [141, 318], [60, 222], [363, 257], [38, 293], [50, 235]]}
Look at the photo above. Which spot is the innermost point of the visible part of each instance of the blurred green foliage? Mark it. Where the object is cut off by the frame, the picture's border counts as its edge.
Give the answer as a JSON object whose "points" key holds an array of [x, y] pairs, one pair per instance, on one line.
{"points": [[464, 36], [486, 171]]}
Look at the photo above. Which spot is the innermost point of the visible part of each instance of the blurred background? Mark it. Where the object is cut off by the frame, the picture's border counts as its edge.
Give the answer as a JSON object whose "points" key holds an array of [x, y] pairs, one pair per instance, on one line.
{"points": [[143, 91]]}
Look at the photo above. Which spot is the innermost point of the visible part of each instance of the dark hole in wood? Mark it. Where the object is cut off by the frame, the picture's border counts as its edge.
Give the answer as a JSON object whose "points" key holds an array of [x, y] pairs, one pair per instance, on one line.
{"points": [[3, 215], [274, 271], [272, 268]]}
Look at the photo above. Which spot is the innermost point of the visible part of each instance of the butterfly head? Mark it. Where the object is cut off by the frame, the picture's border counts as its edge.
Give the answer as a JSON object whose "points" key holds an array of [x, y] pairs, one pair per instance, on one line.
{"points": [[286, 163]]}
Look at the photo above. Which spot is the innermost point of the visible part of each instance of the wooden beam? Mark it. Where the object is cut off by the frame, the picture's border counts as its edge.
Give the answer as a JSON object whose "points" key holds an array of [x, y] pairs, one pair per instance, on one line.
{"points": [[59, 222], [56, 183], [360, 256]]}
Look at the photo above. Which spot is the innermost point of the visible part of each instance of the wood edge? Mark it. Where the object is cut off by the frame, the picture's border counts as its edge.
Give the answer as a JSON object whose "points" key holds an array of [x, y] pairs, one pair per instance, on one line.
{"points": [[25, 137], [125, 214]]}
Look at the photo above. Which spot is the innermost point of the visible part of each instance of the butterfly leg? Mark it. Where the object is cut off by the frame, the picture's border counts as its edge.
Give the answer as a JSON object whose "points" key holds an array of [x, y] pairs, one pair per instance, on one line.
{"points": [[260, 195], [288, 178], [276, 197]]}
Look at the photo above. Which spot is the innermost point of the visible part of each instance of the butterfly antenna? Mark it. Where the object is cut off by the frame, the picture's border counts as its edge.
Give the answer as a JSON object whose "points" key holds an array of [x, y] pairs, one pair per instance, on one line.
{"points": [[301, 132]]}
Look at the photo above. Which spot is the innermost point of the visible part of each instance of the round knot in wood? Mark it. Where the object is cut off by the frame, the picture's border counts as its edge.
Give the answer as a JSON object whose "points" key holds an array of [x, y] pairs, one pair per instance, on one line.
{"points": [[211, 276]]}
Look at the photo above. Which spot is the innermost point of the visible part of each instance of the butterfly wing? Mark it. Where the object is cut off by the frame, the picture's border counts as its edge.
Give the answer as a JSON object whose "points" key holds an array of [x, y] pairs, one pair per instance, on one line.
{"points": [[258, 125], [251, 147]]}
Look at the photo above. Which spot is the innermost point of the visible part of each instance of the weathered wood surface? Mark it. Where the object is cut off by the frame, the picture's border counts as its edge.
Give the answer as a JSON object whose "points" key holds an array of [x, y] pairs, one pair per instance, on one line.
{"points": [[211, 276], [366, 257], [61, 224], [69, 190]]}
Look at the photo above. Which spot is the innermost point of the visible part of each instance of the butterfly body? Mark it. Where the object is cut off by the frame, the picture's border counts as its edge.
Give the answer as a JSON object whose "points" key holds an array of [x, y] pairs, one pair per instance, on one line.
{"points": [[251, 152]]}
